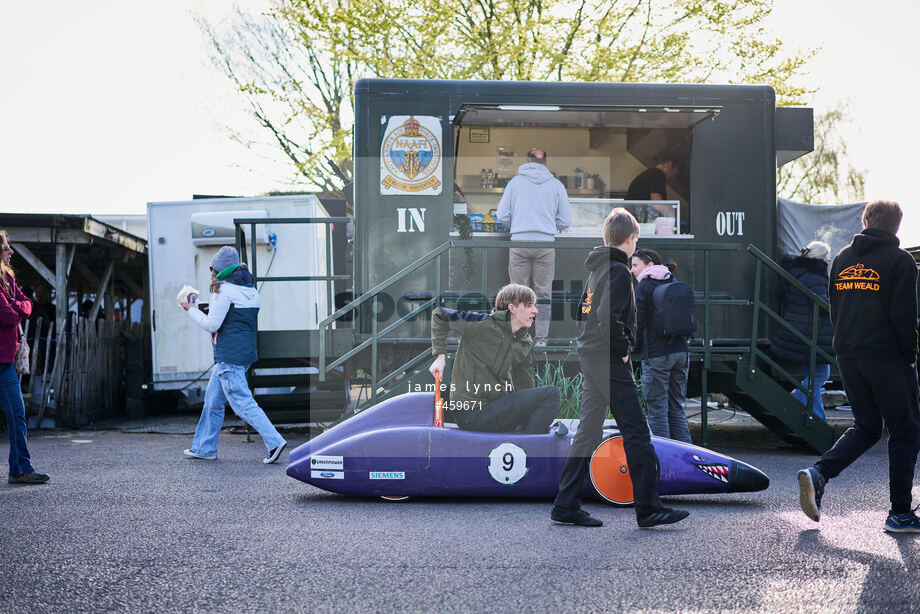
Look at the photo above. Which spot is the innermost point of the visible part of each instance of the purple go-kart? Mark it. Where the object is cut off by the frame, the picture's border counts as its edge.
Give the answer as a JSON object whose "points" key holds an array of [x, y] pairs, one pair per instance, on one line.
{"points": [[400, 448]]}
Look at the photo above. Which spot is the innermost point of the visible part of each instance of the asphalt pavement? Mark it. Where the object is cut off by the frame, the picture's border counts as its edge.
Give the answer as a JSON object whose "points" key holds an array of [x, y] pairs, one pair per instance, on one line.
{"points": [[128, 524]]}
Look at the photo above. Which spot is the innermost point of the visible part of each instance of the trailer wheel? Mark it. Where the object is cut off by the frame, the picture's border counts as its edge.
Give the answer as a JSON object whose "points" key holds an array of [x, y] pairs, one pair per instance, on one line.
{"points": [[395, 497]]}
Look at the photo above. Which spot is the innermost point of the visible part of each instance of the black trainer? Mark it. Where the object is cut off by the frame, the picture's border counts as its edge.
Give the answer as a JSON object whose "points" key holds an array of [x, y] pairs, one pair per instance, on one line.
{"points": [[811, 489], [664, 515], [274, 454], [29, 478], [902, 523], [576, 517]]}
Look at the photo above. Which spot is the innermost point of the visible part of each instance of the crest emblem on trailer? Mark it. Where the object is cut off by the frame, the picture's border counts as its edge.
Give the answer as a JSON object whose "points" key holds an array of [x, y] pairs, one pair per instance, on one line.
{"points": [[410, 156]]}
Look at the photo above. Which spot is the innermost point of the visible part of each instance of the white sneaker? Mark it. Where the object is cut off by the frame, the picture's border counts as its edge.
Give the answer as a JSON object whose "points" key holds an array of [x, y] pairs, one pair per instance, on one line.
{"points": [[190, 454], [274, 454]]}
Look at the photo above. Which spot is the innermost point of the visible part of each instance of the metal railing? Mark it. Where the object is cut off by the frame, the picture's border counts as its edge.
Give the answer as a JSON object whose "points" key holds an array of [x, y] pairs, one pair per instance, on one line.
{"points": [[702, 350], [252, 263], [701, 347], [818, 305], [372, 296]]}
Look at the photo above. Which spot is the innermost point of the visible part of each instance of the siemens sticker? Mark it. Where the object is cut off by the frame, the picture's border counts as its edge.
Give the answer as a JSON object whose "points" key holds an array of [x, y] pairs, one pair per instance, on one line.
{"points": [[388, 475], [730, 223]]}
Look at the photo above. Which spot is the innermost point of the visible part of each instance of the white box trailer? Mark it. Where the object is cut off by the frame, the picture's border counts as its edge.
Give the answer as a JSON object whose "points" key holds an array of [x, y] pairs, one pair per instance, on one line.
{"points": [[183, 236]]}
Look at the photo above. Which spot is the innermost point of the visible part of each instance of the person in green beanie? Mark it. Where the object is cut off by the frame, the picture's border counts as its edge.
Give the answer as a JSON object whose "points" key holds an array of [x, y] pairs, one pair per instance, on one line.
{"points": [[232, 318]]}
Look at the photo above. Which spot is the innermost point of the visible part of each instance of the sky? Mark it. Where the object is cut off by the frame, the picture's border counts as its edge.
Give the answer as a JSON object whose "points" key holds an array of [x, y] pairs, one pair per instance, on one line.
{"points": [[109, 104]]}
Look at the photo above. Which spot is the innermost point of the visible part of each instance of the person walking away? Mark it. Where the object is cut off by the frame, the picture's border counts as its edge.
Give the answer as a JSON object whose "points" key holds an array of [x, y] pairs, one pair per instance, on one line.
{"points": [[493, 347], [232, 317], [809, 268], [665, 358], [15, 308], [873, 296], [535, 206], [606, 332]]}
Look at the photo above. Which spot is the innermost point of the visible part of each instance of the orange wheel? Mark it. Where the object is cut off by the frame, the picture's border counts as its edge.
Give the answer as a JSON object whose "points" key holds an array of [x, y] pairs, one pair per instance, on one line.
{"points": [[609, 472]]}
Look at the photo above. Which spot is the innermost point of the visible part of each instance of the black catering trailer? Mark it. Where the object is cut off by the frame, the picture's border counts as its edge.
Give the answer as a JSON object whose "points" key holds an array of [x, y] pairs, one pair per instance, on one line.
{"points": [[432, 158], [727, 140]]}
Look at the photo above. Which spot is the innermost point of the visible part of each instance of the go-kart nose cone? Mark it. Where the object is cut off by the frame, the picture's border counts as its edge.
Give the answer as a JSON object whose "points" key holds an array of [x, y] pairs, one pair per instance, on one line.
{"points": [[747, 479]]}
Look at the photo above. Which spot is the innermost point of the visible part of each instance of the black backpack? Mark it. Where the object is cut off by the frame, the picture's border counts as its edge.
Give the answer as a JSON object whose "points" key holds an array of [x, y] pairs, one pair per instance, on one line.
{"points": [[674, 312]]}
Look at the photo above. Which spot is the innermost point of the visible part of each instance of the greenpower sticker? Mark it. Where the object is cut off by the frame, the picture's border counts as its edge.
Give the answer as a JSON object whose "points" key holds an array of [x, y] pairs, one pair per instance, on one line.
{"points": [[335, 463], [507, 463]]}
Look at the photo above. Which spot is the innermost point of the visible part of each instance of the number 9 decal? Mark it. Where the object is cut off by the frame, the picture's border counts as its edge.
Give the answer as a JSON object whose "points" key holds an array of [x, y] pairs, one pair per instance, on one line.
{"points": [[507, 463]]}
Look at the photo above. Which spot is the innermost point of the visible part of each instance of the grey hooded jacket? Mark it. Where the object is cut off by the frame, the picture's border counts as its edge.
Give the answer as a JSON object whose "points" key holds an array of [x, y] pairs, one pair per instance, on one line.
{"points": [[534, 205]]}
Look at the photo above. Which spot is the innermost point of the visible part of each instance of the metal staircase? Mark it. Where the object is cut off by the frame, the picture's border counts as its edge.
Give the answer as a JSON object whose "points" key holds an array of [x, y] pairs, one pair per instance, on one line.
{"points": [[740, 369], [762, 384], [771, 404]]}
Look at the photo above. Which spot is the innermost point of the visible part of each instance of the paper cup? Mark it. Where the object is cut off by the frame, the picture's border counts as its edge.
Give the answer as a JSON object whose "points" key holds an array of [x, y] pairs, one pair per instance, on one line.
{"points": [[664, 226]]}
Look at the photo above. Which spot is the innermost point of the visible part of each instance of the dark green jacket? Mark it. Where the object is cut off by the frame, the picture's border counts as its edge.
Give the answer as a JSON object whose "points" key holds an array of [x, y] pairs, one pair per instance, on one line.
{"points": [[489, 357]]}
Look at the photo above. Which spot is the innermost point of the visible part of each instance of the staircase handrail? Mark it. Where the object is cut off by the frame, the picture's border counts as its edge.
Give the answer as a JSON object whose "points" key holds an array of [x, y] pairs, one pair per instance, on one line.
{"points": [[371, 295], [776, 268], [818, 304], [411, 268]]}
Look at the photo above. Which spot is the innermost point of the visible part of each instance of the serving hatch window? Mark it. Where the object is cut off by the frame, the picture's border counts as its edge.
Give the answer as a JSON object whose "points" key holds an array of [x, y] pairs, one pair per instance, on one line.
{"points": [[595, 150]]}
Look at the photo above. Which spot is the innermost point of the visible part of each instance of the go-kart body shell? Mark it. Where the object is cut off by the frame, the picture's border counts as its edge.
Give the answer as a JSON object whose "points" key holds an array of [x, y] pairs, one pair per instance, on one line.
{"points": [[393, 449]]}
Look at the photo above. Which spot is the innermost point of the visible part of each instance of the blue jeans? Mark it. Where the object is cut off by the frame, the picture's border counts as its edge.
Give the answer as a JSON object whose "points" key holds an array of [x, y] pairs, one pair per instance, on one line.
{"points": [[822, 372], [664, 387], [15, 410], [228, 384]]}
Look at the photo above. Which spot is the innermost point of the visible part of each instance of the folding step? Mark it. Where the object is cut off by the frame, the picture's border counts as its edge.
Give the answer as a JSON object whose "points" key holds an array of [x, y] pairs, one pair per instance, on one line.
{"points": [[774, 407]]}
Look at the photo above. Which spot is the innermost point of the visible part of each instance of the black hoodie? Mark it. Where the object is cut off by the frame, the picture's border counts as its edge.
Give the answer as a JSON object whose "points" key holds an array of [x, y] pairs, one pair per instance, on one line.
{"points": [[873, 296], [606, 318]]}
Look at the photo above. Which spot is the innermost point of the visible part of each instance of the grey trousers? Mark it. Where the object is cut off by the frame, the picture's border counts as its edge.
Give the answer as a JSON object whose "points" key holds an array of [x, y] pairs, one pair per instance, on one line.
{"points": [[539, 264], [664, 387]]}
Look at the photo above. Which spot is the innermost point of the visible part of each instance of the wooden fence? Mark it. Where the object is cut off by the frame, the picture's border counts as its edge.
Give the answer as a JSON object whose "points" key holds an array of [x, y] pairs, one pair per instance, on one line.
{"points": [[80, 372]]}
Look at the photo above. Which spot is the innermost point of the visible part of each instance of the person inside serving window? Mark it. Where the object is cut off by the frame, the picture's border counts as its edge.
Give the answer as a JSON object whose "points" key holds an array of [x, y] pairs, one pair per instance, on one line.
{"points": [[652, 184], [535, 207]]}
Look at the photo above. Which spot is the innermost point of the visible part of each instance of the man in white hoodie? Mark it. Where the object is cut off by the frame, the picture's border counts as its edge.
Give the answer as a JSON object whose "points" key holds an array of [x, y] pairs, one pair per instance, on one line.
{"points": [[535, 207]]}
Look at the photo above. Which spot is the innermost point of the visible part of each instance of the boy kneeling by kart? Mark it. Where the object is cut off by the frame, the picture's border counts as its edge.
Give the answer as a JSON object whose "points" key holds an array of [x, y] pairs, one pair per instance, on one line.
{"points": [[492, 346], [606, 333]]}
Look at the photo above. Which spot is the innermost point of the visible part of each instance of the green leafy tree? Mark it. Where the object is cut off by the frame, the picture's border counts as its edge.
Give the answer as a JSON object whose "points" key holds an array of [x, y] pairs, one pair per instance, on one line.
{"points": [[295, 64], [826, 175]]}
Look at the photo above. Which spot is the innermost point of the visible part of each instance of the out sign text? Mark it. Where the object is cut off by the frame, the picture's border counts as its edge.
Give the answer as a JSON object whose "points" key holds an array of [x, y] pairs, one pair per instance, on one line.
{"points": [[730, 223]]}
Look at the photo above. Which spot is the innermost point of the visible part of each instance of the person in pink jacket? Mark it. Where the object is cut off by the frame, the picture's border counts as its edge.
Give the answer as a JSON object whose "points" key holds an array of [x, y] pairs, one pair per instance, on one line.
{"points": [[14, 309]]}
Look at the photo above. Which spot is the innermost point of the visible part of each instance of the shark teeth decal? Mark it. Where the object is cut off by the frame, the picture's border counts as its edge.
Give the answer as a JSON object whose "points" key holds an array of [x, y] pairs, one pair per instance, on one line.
{"points": [[715, 470]]}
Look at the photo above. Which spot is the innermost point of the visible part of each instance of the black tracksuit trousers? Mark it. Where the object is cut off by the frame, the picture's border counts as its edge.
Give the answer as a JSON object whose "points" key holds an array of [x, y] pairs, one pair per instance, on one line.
{"points": [[531, 410], [618, 391], [880, 392]]}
